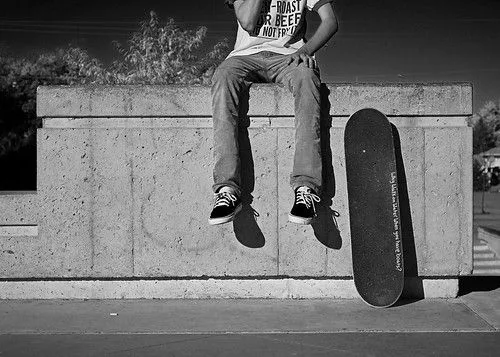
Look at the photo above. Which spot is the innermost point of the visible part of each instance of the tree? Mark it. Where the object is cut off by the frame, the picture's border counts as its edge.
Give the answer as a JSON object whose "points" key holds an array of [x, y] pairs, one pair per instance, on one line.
{"points": [[166, 54], [486, 127], [19, 80], [480, 181], [485, 135], [155, 54], [482, 137]]}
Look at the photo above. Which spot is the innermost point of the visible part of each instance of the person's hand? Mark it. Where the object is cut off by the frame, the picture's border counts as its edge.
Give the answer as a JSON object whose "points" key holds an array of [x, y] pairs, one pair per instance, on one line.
{"points": [[298, 57]]}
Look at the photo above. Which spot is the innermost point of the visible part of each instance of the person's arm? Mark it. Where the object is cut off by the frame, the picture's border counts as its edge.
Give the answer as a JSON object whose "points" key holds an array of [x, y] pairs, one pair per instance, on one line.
{"points": [[247, 13], [327, 28]]}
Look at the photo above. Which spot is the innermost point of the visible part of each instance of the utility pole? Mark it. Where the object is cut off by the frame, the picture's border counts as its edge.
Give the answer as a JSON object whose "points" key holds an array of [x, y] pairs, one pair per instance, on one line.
{"points": [[485, 175]]}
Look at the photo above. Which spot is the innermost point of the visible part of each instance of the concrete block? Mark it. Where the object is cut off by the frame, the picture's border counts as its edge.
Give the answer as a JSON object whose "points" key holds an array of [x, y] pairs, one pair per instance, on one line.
{"points": [[19, 208], [466, 213], [66, 203], [412, 197], [173, 199], [140, 217], [18, 254], [62, 246], [334, 221], [18, 232], [112, 196], [125, 175], [300, 252], [447, 215], [417, 288]]}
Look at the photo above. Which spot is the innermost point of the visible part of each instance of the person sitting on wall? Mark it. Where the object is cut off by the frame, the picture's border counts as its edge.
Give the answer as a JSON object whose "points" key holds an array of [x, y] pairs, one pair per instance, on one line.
{"points": [[270, 48]]}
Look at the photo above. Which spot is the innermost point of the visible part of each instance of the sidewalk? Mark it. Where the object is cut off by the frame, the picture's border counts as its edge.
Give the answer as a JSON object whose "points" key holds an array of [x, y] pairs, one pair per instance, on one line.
{"points": [[468, 325]]}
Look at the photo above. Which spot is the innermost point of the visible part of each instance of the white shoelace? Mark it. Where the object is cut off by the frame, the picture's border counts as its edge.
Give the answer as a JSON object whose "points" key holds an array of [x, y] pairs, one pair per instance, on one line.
{"points": [[224, 199], [306, 197]]}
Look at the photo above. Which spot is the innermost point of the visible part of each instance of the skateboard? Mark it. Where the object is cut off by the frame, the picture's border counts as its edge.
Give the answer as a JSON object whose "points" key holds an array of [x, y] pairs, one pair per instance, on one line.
{"points": [[372, 187]]}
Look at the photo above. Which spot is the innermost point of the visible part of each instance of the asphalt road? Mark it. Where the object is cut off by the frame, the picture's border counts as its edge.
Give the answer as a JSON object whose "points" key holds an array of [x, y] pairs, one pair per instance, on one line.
{"points": [[311, 344]]}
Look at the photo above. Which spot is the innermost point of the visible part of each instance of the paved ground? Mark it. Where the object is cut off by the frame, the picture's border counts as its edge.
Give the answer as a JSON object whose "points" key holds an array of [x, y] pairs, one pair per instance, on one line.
{"points": [[466, 326]]}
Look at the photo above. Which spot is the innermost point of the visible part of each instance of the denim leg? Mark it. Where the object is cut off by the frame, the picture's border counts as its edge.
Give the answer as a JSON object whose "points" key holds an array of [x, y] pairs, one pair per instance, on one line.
{"points": [[230, 81], [304, 83]]}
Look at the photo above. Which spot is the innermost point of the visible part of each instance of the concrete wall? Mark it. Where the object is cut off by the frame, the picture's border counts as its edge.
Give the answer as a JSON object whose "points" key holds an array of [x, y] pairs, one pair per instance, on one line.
{"points": [[125, 173]]}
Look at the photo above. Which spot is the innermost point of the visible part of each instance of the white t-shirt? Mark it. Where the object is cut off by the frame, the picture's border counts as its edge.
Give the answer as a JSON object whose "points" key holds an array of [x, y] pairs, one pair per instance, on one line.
{"points": [[281, 27]]}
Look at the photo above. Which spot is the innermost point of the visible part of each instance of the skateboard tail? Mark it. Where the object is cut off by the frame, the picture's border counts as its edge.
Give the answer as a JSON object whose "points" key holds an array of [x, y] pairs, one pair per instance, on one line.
{"points": [[384, 296]]}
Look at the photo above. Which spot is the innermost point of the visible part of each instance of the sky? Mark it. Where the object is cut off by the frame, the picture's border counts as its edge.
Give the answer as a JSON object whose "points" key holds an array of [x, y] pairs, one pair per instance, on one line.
{"points": [[383, 41]]}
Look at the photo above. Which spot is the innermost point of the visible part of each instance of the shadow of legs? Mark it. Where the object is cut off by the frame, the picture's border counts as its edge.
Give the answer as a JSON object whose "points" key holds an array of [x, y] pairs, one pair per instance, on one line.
{"points": [[325, 224], [245, 226]]}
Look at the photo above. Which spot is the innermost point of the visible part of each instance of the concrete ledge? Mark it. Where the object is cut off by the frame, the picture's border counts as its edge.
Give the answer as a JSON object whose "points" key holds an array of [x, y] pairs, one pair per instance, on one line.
{"points": [[212, 289], [265, 99], [255, 122], [19, 231]]}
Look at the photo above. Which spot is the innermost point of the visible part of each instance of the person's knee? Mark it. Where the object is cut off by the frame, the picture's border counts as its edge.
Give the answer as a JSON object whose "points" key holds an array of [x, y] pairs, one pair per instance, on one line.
{"points": [[226, 72], [304, 76], [304, 73]]}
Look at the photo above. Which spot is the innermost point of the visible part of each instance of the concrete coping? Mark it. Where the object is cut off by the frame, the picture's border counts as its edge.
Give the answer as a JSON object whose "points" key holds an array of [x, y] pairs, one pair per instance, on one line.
{"points": [[254, 122], [416, 99]]}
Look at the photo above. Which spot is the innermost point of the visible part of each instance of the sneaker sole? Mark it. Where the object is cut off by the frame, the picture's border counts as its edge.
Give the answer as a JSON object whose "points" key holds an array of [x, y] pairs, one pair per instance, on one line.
{"points": [[226, 219], [299, 220]]}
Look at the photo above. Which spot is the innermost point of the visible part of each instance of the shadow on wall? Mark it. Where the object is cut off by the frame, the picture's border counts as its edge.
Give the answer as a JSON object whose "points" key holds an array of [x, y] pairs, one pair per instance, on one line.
{"points": [[469, 284], [325, 226], [416, 289]]}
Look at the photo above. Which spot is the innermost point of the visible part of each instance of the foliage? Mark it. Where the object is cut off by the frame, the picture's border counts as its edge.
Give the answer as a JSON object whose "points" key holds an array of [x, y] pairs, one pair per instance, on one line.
{"points": [[486, 135], [480, 180], [486, 127], [166, 54], [155, 54], [19, 79]]}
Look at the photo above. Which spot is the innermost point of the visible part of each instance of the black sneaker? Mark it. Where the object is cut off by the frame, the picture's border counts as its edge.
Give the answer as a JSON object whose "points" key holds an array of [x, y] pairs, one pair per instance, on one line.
{"points": [[303, 210], [226, 207]]}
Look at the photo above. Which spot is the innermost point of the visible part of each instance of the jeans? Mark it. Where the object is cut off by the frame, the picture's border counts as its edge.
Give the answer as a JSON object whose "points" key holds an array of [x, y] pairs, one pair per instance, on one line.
{"points": [[231, 79]]}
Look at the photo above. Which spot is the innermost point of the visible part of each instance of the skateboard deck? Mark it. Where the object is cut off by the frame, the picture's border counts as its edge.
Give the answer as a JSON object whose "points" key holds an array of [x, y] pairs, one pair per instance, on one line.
{"points": [[372, 187]]}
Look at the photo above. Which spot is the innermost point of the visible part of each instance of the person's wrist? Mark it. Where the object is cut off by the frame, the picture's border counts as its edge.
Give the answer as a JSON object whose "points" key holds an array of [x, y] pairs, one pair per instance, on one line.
{"points": [[305, 51]]}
